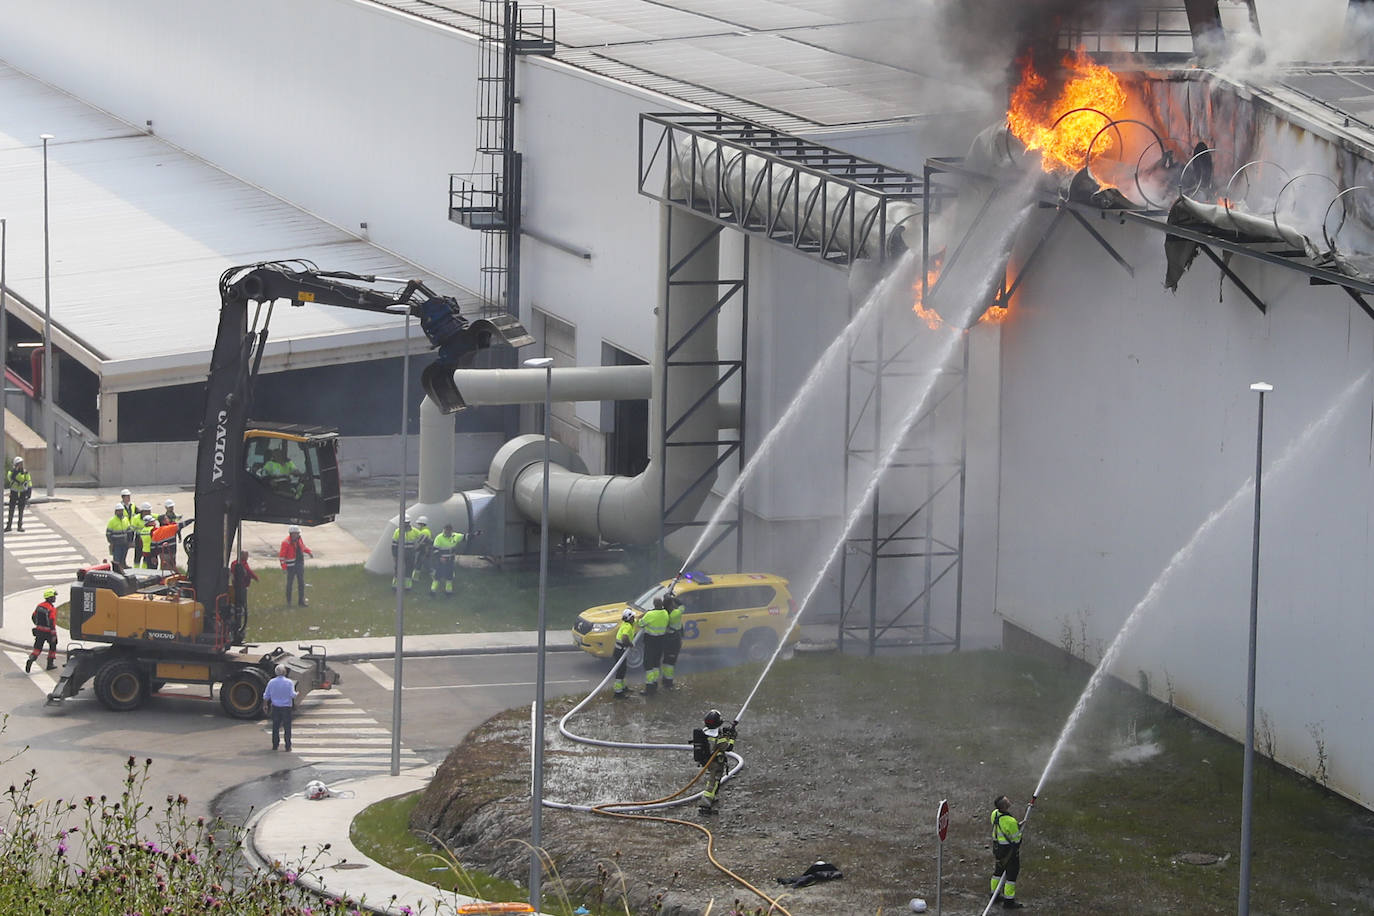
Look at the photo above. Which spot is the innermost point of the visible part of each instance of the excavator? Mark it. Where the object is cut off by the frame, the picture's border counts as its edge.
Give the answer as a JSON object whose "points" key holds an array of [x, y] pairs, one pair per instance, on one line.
{"points": [[156, 627]]}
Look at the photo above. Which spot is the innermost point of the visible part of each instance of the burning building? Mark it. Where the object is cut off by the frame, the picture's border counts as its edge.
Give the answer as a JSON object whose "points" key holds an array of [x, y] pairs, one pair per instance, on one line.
{"points": [[1199, 229], [1195, 220]]}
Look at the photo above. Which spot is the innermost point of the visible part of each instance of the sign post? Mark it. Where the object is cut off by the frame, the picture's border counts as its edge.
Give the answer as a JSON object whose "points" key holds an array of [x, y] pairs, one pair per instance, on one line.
{"points": [[942, 830]]}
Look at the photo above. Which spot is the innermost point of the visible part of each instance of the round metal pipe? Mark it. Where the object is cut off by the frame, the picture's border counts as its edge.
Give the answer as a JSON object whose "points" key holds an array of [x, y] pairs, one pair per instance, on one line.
{"points": [[484, 387]]}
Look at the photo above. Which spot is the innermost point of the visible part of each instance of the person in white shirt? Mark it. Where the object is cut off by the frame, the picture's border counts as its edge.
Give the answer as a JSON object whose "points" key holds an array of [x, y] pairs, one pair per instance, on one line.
{"points": [[280, 695]]}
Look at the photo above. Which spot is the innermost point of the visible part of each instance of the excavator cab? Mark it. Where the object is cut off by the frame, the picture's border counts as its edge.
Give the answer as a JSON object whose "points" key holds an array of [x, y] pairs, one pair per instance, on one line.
{"points": [[292, 474]]}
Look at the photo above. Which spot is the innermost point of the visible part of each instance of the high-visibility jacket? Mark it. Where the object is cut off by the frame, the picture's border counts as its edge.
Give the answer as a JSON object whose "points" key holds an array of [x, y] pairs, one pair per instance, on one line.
{"points": [[426, 537], [675, 618], [625, 634], [162, 535], [654, 622], [145, 534], [446, 545], [279, 468], [1006, 830], [45, 619], [117, 532], [412, 538], [291, 553], [18, 481]]}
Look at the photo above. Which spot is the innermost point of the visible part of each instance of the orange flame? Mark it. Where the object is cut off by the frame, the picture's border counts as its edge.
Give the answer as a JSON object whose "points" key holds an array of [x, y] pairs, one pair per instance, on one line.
{"points": [[929, 316], [1064, 146], [996, 314]]}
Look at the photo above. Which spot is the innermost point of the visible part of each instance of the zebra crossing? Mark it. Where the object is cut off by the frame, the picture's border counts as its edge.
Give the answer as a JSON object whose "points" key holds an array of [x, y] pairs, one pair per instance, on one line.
{"points": [[330, 732], [44, 553]]}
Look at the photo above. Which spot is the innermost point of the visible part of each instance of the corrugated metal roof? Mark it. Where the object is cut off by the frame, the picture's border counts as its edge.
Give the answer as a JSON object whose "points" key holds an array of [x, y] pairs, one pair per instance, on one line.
{"points": [[135, 224], [794, 65]]}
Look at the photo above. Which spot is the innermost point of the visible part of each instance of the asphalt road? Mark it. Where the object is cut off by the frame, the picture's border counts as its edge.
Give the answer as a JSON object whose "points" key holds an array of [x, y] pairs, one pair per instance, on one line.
{"points": [[226, 766]]}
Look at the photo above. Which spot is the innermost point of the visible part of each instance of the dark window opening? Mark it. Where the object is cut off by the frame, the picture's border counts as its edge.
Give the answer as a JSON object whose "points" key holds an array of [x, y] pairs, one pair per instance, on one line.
{"points": [[357, 399], [627, 451]]}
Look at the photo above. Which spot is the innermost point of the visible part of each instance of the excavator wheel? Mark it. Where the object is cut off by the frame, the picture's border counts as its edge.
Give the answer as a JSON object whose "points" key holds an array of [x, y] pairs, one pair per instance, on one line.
{"points": [[241, 693], [120, 685]]}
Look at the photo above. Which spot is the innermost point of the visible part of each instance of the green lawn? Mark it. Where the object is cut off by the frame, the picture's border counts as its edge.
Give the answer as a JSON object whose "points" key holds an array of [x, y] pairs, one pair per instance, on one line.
{"points": [[381, 834], [349, 601]]}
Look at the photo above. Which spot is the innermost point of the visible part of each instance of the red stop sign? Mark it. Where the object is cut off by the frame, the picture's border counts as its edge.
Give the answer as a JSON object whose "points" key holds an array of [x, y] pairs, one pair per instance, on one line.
{"points": [[942, 820]]}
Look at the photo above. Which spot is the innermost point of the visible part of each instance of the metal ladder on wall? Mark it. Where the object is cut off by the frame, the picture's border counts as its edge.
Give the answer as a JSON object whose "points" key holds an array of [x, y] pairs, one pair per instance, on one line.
{"points": [[489, 200]]}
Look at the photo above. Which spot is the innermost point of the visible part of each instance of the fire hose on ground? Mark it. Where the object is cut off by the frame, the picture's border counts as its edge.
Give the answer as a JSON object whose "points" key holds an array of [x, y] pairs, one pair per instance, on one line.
{"points": [[635, 810]]}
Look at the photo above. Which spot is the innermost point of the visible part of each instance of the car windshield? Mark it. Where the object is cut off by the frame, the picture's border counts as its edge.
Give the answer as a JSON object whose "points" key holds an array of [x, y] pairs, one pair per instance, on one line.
{"points": [[646, 600]]}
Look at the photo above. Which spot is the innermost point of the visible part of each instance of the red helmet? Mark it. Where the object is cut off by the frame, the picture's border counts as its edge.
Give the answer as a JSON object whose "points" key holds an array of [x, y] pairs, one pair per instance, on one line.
{"points": [[713, 719]]}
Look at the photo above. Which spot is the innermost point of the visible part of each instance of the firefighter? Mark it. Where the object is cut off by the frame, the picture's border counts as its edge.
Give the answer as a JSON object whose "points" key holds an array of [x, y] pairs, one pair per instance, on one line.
{"points": [[654, 623], [410, 538], [672, 643], [117, 531], [424, 549], [624, 639], [20, 484], [710, 745], [44, 630], [292, 555], [445, 557], [1006, 852]]}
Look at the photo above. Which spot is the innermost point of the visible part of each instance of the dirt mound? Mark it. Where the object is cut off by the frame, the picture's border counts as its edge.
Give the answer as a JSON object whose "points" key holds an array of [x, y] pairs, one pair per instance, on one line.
{"points": [[847, 759]]}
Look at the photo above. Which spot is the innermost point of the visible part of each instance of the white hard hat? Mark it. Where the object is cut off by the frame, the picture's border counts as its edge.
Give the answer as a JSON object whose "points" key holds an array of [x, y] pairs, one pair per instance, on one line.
{"points": [[168, 504], [294, 529], [917, 905], [18, 460], [119, 507], [422, 520], [148, 518], [125, 493], [315, 789], [145, 507]]}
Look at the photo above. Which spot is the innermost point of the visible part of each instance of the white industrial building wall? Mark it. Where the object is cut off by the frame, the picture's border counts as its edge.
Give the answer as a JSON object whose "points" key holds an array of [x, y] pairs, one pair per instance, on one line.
{"points": [[1127, 421], [359, 114]]}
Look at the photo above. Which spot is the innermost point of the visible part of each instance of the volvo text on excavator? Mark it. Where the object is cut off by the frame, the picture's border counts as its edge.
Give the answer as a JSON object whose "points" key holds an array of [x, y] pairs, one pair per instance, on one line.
{"points": [[158, 626]]}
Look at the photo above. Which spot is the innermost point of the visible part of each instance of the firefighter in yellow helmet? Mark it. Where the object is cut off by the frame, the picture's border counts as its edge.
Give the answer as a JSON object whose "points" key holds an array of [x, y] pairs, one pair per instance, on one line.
{"points": [[44, 630]]}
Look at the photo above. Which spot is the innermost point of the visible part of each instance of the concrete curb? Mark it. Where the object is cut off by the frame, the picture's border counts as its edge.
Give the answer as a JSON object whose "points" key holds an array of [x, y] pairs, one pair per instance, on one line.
{"points": [[296, 821]]}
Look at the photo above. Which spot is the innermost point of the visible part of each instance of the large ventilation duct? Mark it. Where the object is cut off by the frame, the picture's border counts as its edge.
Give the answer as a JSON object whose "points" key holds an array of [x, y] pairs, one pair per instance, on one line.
{"points": [[817, 210], [609, 508]]}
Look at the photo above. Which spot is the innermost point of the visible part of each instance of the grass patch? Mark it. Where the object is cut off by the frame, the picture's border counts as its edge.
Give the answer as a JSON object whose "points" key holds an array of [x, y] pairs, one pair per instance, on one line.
{"points": [[349, 601], [380, 832]]}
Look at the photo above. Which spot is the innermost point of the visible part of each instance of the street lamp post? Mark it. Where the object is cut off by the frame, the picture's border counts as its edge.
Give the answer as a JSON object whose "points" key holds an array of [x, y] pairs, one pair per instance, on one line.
{"points": [[49, 420], [1248, 780], [537, 792], [400, 552]]}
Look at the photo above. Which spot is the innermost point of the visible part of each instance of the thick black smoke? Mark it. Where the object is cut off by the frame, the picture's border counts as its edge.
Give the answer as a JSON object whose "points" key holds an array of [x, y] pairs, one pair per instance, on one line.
{"points": [[986, 37]]}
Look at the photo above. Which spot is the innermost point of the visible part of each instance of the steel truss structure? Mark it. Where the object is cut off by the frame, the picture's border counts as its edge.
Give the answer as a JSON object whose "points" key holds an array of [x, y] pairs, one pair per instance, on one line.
{"points": [[837, 209]]}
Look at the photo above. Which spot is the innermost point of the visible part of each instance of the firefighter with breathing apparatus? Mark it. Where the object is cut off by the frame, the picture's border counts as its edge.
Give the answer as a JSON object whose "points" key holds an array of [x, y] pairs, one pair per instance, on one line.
{"points": [[44, 630], [709, 748]]}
